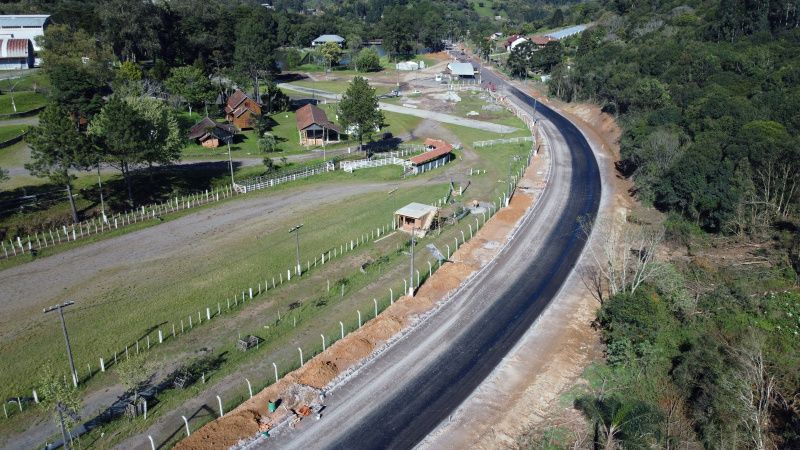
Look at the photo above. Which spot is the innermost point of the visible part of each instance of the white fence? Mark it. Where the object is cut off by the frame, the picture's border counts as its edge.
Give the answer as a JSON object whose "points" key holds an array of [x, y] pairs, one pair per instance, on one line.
{"points": [[349, 166], [503, 141], [262, 182], [80, 230]]}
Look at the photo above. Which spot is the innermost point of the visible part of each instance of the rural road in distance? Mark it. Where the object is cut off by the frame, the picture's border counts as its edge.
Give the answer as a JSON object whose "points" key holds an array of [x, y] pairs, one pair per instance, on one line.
{"points": [[402, 395]]}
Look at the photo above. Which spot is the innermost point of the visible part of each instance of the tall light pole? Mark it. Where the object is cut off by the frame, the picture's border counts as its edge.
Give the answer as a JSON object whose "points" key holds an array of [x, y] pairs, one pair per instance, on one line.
{"points": [[296, 231], [411, 268], [60, 309]]}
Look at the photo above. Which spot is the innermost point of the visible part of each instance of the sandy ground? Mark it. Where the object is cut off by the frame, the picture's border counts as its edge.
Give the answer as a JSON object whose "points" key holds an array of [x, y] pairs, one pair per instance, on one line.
{"points": [[329, 367]]}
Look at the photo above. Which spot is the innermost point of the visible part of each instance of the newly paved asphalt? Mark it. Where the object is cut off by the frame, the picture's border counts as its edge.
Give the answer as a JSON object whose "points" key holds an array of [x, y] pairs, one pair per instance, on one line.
{"points": [[398, 398]]}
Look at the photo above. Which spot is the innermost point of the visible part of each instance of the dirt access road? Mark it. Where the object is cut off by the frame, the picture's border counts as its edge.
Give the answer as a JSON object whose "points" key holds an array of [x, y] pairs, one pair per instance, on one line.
{"points": [[399, 397]]}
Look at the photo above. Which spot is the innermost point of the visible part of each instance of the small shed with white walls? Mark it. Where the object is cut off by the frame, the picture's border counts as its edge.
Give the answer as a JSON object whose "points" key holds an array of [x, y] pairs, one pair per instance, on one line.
{"points": [[416, 217]]}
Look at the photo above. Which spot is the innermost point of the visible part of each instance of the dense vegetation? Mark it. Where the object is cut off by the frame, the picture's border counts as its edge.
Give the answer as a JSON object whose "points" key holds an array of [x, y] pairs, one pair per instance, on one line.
{"points": [[708, 95], [705, 352]]}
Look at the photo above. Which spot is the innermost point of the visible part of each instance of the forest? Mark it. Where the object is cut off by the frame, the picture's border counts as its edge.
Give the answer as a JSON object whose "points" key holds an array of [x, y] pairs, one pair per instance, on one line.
{"points": [[701, 347]]}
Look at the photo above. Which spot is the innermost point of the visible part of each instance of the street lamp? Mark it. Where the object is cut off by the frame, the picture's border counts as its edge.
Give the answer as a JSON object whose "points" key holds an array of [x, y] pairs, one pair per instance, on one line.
{"points": [[60, 309], [296, 231]]}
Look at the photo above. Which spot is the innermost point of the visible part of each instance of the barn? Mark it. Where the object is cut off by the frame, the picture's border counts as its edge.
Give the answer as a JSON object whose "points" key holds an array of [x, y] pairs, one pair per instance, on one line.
{"points": [[241, 110], [314, 126], [16, 54], [211, 134]]}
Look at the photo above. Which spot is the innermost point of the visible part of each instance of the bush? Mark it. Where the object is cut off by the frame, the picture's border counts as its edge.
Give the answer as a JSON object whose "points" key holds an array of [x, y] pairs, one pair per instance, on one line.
{"points": [[368, 60]]}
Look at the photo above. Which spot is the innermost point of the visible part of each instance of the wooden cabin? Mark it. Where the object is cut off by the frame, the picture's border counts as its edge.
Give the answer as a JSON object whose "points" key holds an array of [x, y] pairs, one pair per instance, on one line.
{"points": [[241, 110], [314, 126], [211, 134]]}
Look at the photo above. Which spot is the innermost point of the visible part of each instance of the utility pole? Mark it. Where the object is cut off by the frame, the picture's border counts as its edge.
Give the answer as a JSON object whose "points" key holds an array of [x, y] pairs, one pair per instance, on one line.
{"points": [[230, 159], [296, 231], [102, 202], [63, 428], [60, 309], [411, 268]]}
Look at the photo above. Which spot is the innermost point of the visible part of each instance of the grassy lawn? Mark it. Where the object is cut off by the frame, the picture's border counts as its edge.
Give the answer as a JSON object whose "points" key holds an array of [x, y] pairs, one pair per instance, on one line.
{"points": [[11, 131], [27, 82], [486, 9], [25, 101], [103, 327]]}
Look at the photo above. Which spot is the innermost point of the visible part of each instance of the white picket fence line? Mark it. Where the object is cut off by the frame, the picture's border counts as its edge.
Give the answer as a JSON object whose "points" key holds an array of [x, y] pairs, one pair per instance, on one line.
{"points": [[95, 226], [514, 140], [263, 182], [350, 166]]}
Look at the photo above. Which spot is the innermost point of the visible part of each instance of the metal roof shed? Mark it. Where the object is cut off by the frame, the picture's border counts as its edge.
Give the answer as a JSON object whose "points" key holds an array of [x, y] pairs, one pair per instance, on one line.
{"points": [[416, 217], [461, 69], [328, 38]]}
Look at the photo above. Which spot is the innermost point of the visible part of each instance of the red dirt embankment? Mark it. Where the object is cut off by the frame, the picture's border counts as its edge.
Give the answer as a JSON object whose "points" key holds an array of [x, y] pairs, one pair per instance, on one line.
{"points": [[243, 422]]}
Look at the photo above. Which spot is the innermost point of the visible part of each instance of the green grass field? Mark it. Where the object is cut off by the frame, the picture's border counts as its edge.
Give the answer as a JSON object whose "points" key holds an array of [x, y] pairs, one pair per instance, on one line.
{"points": [[101, 326], [25, 101], [11, 131]]}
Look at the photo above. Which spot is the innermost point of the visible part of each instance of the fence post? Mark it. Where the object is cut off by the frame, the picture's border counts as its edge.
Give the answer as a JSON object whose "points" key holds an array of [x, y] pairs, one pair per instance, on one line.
{"points": [[221, 412], [186, 422], [275, 367]]}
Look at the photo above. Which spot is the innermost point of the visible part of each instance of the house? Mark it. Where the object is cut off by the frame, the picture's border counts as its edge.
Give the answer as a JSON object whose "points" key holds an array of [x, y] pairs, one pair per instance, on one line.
{"points": [[24, 26], [328, 38], [438, 154], [415, 218], [541, 41], [511, 39], [16, 54], [461, 70], [516, 42], [211, 134], [314, 126], [241, 110]]}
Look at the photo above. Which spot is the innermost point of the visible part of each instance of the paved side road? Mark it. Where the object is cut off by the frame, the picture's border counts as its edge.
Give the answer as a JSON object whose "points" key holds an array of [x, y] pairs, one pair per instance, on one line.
{"points": [[425, 114]]}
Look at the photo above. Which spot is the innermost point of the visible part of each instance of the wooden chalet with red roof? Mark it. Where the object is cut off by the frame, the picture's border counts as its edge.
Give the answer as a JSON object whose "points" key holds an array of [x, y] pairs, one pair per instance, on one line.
{"points": [[241, 110], [314, 126], [211, 134]]}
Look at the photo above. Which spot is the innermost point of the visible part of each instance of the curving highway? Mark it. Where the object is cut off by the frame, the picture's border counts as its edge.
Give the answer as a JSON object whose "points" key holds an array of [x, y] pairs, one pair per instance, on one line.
{"points": [[401, 396]]}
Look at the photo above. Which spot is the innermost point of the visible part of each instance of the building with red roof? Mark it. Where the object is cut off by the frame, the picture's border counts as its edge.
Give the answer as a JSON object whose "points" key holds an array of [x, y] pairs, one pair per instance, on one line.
{"points": [[439, 153], [241, 110], [314, 126]]}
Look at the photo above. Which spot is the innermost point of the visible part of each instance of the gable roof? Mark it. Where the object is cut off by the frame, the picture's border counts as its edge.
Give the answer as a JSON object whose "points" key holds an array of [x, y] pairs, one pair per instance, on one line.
{"points": [[329, 38], [566, 32], [516, 42], [461, 69], [310, 115], [206, 126], [440, 148], [541, 40], [235, 100]]}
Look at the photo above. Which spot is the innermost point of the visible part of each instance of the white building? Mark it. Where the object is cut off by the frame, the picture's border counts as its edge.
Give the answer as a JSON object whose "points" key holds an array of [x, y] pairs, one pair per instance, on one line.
{"points": [[16, 54], [328, 38], [24, 26]]}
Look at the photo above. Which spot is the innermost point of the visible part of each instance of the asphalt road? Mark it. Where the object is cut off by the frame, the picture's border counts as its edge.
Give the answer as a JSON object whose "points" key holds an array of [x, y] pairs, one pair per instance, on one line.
{"points": [[402, 395]]}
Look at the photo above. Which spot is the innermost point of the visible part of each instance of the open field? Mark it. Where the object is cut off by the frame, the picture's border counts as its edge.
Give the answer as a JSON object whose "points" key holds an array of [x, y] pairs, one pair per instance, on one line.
{"points": [[25, 101], [11, 131]]}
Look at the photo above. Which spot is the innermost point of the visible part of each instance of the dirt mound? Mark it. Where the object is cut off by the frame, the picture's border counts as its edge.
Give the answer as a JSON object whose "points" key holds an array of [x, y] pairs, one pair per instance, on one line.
{"points": [[318, 373], [219, 434], [384, 327]]}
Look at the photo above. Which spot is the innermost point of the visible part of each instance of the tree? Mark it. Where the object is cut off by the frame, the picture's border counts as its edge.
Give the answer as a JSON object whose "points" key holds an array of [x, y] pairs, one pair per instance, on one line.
{"points": [[358, 109], [398, 27], [56, 148], [519, 61], [120, 131], [130, 27], [190, 84], [135, 373], [367, 60], [623, 257], [331, 52], [254, 55], [267, 143], [164, 140], [354, 44], [60, 399], [629, 423], [485, 48], [274, 100], [548, 57]]}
